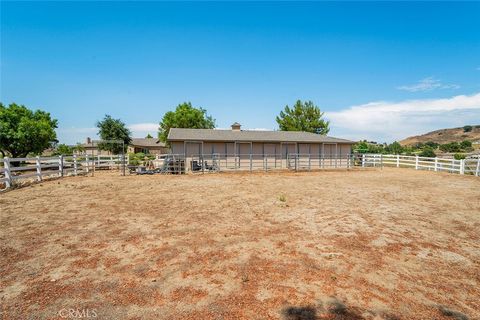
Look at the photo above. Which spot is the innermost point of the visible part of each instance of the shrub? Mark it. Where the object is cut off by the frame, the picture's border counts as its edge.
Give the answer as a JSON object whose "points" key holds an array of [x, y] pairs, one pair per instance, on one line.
{"points": [[431, 144], [427, 152], [132, 159], [394, 148], [467, 128], [451, 147], [459, 156], [465, 144]]}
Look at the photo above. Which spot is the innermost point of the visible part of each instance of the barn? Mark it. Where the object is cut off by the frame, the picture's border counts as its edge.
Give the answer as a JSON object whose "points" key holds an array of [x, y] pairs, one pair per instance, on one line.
{"points": [[247, 148]]}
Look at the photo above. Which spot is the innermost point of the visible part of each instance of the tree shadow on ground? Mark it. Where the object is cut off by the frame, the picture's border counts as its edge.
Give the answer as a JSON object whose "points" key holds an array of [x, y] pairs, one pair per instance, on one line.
{"points": [[334, 310], [299, 313]]}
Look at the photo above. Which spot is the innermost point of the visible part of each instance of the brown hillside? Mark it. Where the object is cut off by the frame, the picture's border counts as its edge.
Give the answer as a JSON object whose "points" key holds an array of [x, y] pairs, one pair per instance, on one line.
{"points": [[444, 136]]}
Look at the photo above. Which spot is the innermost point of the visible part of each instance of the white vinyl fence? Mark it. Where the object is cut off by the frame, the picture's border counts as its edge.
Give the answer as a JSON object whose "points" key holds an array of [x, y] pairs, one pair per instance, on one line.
{"points": [[470, 165], [13, 170]]}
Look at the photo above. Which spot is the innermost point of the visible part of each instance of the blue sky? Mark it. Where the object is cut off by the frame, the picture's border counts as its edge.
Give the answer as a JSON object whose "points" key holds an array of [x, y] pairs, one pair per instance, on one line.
{"points": [[380, 71]]}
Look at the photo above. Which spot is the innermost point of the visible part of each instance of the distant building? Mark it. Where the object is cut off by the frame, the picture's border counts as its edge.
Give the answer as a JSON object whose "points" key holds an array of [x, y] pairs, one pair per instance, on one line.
{"points": [[145, 145]]}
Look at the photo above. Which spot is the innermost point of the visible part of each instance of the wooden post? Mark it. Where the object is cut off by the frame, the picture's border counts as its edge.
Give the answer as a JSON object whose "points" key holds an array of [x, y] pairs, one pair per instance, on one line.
{"points": [[477, 171], [363, 160], [38, 166], [416, 162], [8, 174], [60, 165], [87, 162], [75, 164], [436, 164], [398, 161], [462, 166]]}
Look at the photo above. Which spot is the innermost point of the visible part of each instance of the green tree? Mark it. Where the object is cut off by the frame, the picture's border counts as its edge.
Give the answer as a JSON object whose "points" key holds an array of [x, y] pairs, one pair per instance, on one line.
{"points": [[467, 128], [185, 116], [149, 136], [465, 144], [427, 152], [303, 116], [394, 148], [79, 147], [369, 147], [113, 129], [431, 144], [63, 149], [451, 147], [23, 131]]}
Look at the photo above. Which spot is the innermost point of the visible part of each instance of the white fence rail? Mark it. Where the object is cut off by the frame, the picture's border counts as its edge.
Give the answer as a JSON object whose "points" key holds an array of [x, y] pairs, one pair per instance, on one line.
{"points": [[13, 170], [470, 165]]}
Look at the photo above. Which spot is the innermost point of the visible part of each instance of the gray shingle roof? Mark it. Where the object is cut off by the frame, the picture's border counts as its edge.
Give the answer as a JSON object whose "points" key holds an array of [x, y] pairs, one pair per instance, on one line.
{"points": [[177, 134], [146, 142], [137, 142]]}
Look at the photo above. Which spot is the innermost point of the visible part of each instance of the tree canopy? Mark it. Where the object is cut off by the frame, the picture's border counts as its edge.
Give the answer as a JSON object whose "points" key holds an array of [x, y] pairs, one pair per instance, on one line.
{"points": [[394, 148], [113, 129], [23, 131], [63, 149], [185, 116], [303, 116]]}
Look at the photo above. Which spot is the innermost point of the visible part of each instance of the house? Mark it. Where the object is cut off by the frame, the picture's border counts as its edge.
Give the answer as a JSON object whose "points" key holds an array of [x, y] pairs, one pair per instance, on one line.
{"points": [[250, 145], [147, 145], [144, 145]]}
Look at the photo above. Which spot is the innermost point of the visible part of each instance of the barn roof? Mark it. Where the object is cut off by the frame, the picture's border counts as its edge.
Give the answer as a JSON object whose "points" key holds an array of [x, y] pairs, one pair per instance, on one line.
{"points": [[178, 134]]}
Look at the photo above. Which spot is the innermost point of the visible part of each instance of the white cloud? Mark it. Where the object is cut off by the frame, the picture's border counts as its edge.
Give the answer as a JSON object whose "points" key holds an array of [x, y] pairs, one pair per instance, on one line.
{"points": [[143, 127], [388, 121], [140, 130], [428, 84]]}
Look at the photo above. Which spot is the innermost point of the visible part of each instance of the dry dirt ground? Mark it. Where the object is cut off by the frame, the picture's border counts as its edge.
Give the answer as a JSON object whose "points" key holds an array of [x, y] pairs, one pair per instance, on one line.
{"points": [[377, 244]]}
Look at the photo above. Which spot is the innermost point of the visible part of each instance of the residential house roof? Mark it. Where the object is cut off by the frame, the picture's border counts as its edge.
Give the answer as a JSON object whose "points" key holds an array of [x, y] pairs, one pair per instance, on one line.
{"points": [[136, 142], [179, 134], [146, 142]]}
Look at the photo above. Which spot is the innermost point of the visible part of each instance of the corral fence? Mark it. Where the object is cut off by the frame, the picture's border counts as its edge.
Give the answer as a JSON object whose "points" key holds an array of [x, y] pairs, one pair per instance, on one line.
{"points": [[469, 165], [201, 163], [15, 170]]}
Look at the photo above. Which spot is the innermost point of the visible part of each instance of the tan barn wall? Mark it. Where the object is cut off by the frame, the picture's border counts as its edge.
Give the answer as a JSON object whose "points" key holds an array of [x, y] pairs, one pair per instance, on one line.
{"points": [[260, 149], [177, 147]]}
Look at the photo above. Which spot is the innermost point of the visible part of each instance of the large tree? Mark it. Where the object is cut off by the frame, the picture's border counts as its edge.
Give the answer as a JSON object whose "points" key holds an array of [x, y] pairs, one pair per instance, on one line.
{"points": [[303, 116], [23, 131], [185, 116], [113, 129]]}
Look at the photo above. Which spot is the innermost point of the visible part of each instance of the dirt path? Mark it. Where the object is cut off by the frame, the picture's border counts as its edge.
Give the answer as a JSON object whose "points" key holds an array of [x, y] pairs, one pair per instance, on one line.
{"points": [[386, 244]]}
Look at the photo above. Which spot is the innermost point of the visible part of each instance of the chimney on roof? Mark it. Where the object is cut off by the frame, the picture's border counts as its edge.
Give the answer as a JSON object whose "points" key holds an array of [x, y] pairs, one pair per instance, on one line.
{"points": [[88, 141], [236, 126]]}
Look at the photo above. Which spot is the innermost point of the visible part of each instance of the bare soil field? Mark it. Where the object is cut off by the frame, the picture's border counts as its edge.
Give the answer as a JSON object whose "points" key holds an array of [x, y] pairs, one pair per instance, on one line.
{"points": [[359, 244]]}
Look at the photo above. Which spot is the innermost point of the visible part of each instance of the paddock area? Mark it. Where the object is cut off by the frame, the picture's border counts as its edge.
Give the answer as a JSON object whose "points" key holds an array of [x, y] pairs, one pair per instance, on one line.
{"points": [[389, 243]]}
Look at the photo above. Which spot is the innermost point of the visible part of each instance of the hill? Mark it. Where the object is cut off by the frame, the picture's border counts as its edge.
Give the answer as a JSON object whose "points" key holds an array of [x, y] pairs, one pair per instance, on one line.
{"points": [[444, 136]]}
